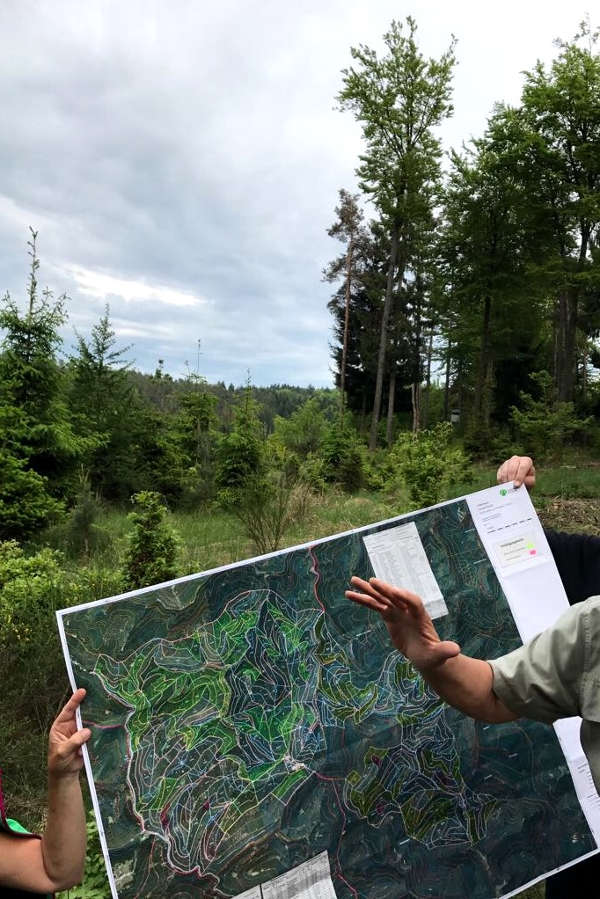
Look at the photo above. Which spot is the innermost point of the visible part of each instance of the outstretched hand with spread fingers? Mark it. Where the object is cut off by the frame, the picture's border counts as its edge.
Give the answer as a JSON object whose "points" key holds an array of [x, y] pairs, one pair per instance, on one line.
{"points": [[410, 628]]}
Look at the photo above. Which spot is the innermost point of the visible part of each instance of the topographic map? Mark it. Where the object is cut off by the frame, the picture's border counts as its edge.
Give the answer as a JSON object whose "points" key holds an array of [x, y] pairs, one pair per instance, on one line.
{"points": [[248, 719]]}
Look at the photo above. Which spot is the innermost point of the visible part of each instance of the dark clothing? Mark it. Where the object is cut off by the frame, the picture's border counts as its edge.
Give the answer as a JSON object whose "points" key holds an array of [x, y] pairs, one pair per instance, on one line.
{"points": [[577, 558], [7, 893]]}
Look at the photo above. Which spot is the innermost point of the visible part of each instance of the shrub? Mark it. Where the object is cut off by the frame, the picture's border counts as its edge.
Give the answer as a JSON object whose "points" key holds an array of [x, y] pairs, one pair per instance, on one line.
{"points": [[32, 670], [152, 551], [343, 457], [303, 432], [25, 504], [428, 463], [81, 535], [30, 591], [544, 425], [264, 506], [240, 453]]}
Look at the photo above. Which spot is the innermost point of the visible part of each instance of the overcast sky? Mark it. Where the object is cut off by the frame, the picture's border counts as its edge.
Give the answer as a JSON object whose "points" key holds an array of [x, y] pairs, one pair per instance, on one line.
{"points": [[182, 160]]}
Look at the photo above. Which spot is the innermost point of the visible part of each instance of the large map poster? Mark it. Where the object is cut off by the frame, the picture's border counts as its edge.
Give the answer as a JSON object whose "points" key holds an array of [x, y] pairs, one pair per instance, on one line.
{"points": [[248, 719]]}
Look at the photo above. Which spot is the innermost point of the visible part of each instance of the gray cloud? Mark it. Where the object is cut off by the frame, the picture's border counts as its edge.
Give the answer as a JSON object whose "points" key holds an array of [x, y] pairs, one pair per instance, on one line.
{"points": [[195, 149]]}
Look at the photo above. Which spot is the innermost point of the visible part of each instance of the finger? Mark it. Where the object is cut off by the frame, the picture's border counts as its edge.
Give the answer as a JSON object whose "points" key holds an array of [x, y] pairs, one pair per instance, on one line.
{"points": [[395, 594], [72, 705], [368, 588], [73, 745], [368, 601], [523, 466]]}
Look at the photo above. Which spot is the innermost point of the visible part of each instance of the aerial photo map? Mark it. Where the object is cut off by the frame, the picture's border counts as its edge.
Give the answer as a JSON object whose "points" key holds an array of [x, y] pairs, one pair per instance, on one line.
{"points": [[250, 719]]}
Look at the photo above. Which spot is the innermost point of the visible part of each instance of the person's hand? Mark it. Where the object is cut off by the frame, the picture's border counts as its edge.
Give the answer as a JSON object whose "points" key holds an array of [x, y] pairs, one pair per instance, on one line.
{"points": [[65, 741], [410, 627], [519, 469]]}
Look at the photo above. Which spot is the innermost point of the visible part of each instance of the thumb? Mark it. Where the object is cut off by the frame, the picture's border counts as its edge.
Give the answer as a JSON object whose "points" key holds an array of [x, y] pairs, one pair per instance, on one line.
{"points": [[446, 649]]}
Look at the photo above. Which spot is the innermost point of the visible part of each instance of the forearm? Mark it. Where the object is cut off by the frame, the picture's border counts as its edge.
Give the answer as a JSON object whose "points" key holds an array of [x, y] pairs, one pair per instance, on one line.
{"points": [[64, 839], [467, 685]]}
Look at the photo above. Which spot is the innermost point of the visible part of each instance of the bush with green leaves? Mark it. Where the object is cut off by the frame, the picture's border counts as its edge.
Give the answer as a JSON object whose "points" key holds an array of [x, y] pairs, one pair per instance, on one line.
{"points": [[239, 457], [544, 426], [302, 434], [265, 507], [428, 463], [240, 454], [151, 555], [343, 457], [32, 669], [30, 593], [81, 534], [25, 504]]}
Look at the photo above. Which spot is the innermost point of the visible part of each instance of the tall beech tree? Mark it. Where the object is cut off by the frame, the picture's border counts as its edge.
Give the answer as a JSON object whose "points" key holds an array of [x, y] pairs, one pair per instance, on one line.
{"points": [[399, 99]]}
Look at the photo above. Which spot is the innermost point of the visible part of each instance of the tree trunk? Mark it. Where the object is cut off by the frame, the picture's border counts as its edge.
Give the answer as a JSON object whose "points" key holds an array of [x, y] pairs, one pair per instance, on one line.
{"points": [[428, 380], [483, 386], [447, 384], [389, 434], [566, 349], [346, 326], [383, 338], [415, 392], [363, 412]]}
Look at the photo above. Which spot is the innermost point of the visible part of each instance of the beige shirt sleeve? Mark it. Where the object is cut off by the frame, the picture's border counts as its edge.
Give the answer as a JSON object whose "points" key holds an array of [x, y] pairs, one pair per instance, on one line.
{"points": [[544, 679]]}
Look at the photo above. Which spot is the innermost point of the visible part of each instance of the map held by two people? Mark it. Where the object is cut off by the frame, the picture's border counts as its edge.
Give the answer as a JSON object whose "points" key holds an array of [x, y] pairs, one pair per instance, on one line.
{"points": [[256, 734]]}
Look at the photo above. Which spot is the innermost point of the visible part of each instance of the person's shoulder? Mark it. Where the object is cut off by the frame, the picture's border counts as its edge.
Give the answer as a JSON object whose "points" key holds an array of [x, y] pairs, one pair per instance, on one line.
{"points": [[591, 606], [589, 611]]}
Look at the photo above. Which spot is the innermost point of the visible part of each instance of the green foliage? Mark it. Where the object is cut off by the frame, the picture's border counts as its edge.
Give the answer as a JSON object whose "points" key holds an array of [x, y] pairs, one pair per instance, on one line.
{"points": [[312, 472], [30, 381], [240, 455], [152, 551], [428, 463], [95, 882], [25, 503], [400, 99], [303, 432], [29, 588], [28, 366], [343, 457], [98, 391], [32, 669], [264, 505], [197, 439], [544, 425], [82, 534]]}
